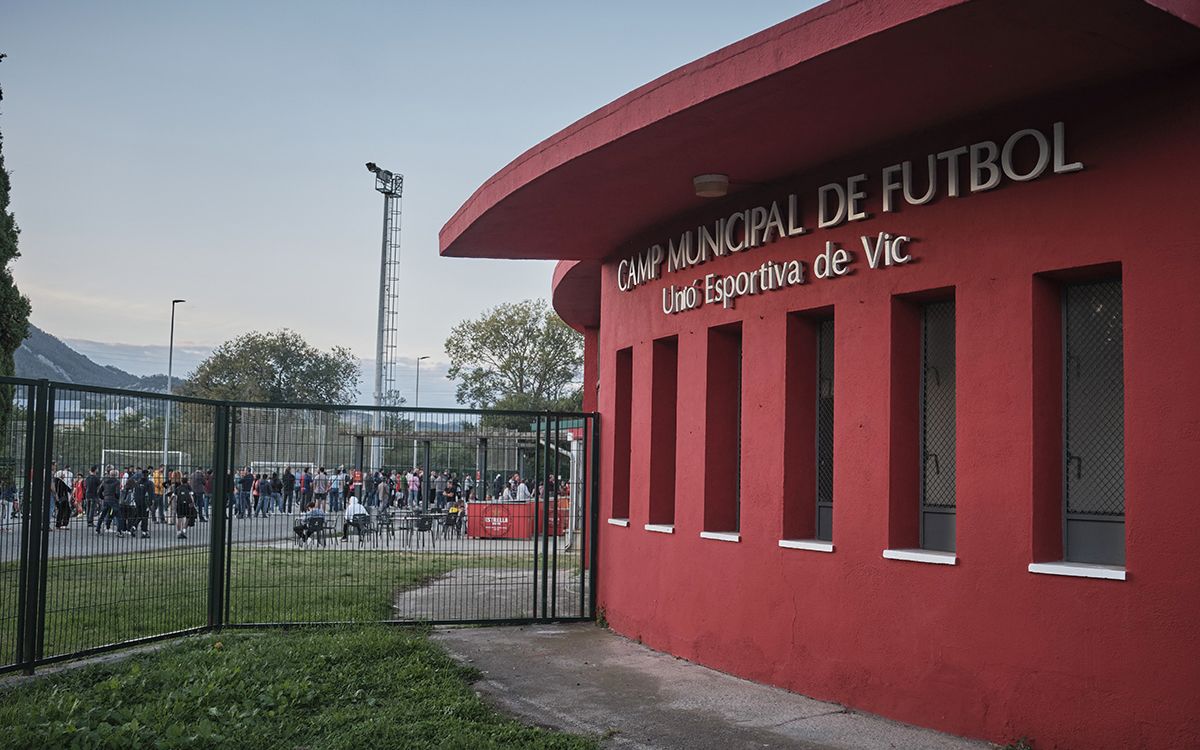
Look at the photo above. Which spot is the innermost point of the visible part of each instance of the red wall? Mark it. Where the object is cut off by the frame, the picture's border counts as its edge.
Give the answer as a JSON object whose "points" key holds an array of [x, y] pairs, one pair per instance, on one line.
{"points": [[983, 648]]}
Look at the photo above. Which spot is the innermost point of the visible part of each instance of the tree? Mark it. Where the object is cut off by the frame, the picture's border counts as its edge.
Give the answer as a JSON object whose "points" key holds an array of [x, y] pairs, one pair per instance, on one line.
{"points": [[276, 367], [14, 306], [517, 356]]}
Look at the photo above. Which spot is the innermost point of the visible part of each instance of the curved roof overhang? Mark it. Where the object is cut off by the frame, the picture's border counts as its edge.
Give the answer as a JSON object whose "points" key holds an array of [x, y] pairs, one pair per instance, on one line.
{"points": [[794, 96], [576, 286]]}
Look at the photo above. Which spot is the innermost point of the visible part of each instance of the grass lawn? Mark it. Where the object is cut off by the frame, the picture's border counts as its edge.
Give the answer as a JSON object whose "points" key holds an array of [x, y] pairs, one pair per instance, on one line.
{"points": [[98, 600], [352, 687]]}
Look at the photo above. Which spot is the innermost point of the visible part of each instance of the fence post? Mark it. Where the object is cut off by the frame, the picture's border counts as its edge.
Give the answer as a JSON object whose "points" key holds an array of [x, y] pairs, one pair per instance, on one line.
{"points": [[539, 484], [44, 517], [219, 508], [32, 521], [594, 536], [25, 475]]}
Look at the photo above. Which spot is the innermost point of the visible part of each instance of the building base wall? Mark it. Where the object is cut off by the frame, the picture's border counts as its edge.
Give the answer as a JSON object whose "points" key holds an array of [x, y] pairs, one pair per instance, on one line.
{"points": [[981, 648]]}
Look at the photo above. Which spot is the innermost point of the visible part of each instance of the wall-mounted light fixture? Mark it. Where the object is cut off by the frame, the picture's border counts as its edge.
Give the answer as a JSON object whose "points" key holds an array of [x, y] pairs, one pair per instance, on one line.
{"points": [[711, 185]]}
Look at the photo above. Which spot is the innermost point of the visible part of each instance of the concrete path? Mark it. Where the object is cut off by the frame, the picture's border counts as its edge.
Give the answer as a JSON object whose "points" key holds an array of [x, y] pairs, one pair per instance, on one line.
{"points": [[466, 594], [583, 679]]}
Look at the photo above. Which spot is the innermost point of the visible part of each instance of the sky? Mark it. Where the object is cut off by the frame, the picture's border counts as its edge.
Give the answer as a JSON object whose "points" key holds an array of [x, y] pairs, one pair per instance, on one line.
{"points": [[215, 152]]}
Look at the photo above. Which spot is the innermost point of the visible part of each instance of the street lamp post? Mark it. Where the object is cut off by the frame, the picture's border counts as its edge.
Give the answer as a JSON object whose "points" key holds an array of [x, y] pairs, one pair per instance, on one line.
{"points": [[417, 404], [170, 367]]}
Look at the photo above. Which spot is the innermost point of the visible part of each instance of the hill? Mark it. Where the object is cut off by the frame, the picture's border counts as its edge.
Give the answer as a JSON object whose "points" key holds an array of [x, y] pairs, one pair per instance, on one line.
{"points": [[42, 355]]}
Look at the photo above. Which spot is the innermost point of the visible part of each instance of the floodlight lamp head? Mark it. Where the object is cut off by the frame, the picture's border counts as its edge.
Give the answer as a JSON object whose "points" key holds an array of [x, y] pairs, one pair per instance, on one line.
{"points": [[372, 167]]}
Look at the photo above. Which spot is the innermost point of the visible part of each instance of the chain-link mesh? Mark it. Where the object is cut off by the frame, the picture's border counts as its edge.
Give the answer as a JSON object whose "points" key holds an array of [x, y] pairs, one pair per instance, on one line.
{"points": [[123, 563], [111, 529], [450, 525], [14, 485], [1095, 399], [937, 405], [825, 413]]}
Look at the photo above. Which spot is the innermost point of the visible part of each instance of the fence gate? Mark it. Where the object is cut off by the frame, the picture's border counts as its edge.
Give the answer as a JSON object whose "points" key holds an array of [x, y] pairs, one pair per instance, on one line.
{"points": [[441, 516], [301, 514]]}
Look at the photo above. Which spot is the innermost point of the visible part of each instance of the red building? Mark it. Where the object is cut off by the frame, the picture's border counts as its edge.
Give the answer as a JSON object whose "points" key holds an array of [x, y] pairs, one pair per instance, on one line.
{"points": [[892, 321]]}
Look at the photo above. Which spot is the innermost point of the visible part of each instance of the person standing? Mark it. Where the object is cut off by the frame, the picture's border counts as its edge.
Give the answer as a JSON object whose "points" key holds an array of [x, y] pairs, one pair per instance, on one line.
{"points": [[276, 492], [468, 485], [335, 489], [62, 500], [128, 504], [245, 487], [383, 492], [197, 483], [91, 494], [262, 493], [208, 494], [184, 504], [320, 487], [414, 488], [158, 503], [143, 490], [306, 486], [110, 497], [289, 488], [439, 487]]}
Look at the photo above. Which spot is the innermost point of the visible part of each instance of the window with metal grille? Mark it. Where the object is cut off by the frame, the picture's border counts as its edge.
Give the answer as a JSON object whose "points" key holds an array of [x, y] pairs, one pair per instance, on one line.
{"points": [[937, 426], [723, 430], [623, 408], [664, 393], [824, 526], [1093, 423]]}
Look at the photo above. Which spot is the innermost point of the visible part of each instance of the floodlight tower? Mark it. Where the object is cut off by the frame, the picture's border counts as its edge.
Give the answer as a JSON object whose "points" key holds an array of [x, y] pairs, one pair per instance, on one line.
{"points": [[392, 186]]}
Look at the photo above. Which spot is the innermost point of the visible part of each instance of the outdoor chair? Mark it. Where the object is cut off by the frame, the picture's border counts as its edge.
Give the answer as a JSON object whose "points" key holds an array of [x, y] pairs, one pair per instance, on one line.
{"points": [[424, 525], [452, 523], [316, 530], [361, 525], [406, 524], [384, 522]]}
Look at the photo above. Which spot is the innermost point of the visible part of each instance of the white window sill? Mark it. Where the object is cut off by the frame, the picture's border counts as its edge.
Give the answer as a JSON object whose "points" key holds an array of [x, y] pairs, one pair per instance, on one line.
{"points": [[619, 521], [922, 556], [661, 528], [1079, 570], [812, 545], [721, 536]]}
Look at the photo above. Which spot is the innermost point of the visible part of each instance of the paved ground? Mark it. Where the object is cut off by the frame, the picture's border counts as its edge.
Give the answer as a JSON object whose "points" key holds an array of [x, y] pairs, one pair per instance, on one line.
{"points": [[492, 593], [581, 678], [276, 530]]}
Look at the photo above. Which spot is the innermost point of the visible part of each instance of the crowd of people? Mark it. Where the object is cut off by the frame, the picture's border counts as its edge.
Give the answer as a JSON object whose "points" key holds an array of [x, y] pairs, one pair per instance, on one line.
{"points": [[127, 501]]}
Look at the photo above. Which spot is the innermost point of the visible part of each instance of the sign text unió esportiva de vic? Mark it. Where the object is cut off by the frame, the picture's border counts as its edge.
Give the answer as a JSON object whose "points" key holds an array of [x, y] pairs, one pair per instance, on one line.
{"points": [[987, 164]]}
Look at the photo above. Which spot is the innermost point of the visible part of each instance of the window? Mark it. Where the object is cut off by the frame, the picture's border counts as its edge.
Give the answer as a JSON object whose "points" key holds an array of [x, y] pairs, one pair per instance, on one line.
{"points": [[723, 432], [824, 431], [937, 426], [664, 387], [1093, 440], [623, 411], [808, 432]]}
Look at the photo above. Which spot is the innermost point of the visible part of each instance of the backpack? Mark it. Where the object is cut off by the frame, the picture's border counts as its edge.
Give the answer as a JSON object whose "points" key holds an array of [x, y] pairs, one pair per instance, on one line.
{"points": [[183, 500]]}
